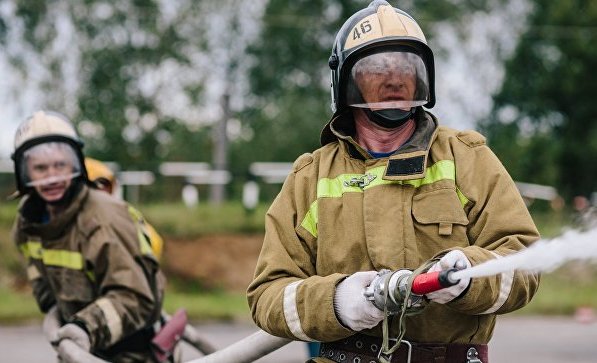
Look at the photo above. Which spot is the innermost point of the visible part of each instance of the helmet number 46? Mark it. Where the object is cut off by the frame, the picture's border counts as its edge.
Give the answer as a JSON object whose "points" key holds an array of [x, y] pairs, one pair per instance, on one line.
{"points": [[365, 28]]}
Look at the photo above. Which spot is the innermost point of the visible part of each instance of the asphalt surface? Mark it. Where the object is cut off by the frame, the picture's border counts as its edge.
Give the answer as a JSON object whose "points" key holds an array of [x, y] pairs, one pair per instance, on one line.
{"points": [[516, 339]]}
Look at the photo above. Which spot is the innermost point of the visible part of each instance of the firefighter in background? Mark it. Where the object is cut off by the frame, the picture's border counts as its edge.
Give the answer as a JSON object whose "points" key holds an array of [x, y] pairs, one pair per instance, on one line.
{"points": [[88, 262], [100, 175], [103, 178], [389, 189]]}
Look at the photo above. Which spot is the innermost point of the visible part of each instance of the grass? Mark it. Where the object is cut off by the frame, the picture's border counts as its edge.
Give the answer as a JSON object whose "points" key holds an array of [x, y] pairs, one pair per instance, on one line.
{"points": [[564, 290], [18, 306], [176, 220], [201, 306]]}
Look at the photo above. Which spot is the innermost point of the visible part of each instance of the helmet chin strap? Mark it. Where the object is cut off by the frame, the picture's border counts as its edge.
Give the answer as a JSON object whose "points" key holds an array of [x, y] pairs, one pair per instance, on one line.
{"points": [[390, 118]]}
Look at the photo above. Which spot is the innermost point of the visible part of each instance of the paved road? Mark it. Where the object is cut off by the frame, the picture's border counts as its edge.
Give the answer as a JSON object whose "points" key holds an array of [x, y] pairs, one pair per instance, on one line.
{"points": [[516, 339]]}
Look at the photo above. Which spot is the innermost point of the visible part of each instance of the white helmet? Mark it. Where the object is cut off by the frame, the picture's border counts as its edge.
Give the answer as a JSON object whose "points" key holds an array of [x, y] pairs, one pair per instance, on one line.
{"points": [[41, 128]]}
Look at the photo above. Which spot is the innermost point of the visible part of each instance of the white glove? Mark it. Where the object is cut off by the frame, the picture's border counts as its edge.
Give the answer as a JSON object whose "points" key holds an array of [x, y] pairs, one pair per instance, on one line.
{"points": [[51, 325], [76, 334], [452, 259], [350, 304]]}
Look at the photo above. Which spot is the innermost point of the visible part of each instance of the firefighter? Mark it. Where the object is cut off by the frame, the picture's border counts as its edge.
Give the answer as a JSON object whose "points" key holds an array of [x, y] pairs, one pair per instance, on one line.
{"points": [[103, 178], [100, 175], [389, 188], [87, 259]]}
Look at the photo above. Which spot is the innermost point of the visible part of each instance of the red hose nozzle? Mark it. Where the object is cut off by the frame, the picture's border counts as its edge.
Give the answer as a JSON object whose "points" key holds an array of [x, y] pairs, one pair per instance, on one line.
{"points": [[433, 281]]}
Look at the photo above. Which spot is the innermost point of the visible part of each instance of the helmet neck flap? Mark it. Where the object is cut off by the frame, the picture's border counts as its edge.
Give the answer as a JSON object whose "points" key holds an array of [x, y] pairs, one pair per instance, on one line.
{"points": [[390, 118]]}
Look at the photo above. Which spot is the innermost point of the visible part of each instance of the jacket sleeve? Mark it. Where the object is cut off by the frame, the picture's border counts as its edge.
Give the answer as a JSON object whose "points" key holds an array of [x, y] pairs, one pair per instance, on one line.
{"points": [[31, 251], [128, 298], [285, 287], [499, 225]]}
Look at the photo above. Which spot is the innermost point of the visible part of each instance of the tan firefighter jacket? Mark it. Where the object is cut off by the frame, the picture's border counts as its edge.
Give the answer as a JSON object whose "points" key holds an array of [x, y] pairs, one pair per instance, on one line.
{"points": [[95, 264], [340, 211]]}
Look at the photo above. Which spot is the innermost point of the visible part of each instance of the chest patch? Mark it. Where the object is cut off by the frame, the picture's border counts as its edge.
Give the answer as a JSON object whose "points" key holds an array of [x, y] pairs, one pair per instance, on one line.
{"points": [[409, 166]]}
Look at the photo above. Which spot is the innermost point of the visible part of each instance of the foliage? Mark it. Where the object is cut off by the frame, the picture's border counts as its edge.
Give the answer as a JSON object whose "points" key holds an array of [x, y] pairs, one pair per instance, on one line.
{"points": [[544, 126], [131, 74]]}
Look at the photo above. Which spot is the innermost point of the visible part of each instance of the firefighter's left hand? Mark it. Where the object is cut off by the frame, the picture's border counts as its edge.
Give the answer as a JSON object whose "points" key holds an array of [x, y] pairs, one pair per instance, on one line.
{"points": [[452, 259], [75, 333]]}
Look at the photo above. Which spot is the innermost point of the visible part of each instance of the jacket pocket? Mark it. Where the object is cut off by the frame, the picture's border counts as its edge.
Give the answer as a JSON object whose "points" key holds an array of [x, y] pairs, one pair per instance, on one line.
{"points": [[439, 213]]}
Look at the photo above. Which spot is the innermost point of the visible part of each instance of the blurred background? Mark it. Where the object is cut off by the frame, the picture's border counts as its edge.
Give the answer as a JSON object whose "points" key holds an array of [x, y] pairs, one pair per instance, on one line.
{"points": [[200, 107]]}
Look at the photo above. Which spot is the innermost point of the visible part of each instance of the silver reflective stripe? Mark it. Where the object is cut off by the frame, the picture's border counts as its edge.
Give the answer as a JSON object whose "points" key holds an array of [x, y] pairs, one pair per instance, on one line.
{"points": [[507, 278], [112, 318], [291, 312], [32, 273]]}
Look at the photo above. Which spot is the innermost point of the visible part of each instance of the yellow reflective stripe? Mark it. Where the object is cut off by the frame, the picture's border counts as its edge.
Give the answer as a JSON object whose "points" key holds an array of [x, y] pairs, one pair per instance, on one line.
{"points": [[32, 249], [142, 236], [441, 170], [135, 214], [143, 243], [310, 221], [90, 275], [61, 258], [463, 200], [336, 187]]}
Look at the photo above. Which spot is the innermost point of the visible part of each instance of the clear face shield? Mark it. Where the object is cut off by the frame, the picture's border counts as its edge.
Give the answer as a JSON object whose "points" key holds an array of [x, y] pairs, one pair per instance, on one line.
{"points": [[389, 85], [49, 164]]}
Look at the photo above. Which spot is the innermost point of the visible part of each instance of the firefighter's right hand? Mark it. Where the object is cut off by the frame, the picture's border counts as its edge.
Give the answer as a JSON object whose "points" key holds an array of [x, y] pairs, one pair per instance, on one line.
{"points": [[75, 333], [352, 308]]}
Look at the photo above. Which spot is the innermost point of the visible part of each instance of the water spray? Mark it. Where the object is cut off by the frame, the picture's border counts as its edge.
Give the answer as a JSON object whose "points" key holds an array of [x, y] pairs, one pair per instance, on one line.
{"points": [[542, 256], [391, 288]]}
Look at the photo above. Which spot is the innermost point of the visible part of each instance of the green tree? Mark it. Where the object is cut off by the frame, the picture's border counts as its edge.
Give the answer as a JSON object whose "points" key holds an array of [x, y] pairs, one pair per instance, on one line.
{"points": [[544, 124], [122, 71]]}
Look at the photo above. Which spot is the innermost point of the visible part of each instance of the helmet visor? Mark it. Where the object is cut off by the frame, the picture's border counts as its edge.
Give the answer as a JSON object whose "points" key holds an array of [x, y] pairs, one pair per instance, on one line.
{"points": [[388, 80], [49, 163]]}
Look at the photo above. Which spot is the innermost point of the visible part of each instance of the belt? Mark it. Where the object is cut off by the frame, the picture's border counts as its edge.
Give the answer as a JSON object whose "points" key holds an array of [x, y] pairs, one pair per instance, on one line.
{"points": [[362, 348]]}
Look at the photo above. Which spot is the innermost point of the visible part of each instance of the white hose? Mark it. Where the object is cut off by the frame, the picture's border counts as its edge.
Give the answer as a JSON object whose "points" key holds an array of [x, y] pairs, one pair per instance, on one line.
{"points": [[245, 350], [70, 352], [51, 324]]}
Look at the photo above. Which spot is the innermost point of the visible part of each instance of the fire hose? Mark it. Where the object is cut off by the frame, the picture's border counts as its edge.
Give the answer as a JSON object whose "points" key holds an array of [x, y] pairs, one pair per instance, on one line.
{"points": [[394, 292], [245, 350]]}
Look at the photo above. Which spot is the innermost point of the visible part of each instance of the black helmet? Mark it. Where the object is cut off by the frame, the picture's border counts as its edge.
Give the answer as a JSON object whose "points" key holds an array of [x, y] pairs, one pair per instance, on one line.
{"points": [[380, 38]]}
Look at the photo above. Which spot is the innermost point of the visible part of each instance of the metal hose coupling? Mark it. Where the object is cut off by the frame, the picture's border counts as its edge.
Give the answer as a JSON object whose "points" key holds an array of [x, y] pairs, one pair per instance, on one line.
{"points": [[390, 289]]}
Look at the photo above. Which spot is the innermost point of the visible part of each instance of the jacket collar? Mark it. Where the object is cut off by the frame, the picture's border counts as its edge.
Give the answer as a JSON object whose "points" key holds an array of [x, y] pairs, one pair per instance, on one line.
{"points": [[408, 162], [33, 207]]}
